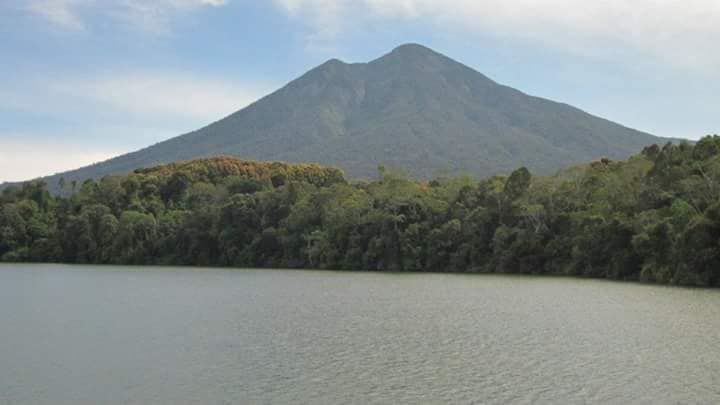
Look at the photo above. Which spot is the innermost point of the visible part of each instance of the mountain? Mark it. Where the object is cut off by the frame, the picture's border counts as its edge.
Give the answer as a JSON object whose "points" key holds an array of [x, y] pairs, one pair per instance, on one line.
{"points": [[413, 109]]}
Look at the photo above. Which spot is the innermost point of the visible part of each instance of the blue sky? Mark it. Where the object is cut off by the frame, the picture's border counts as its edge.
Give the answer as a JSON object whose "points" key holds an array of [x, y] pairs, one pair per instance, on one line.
{"points": [[84, 80]]}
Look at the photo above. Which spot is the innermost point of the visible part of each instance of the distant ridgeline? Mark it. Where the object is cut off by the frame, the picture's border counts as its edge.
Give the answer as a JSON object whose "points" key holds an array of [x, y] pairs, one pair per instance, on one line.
{"points": [[654, 217]]}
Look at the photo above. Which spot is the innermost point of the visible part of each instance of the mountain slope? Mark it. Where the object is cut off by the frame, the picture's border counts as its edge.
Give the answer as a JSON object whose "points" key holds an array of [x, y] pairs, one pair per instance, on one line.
{"points": [[413, 109]]}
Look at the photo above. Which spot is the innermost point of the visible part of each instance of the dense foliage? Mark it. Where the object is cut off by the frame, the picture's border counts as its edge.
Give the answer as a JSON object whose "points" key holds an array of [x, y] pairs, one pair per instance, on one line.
{"points": [[654, 217]]}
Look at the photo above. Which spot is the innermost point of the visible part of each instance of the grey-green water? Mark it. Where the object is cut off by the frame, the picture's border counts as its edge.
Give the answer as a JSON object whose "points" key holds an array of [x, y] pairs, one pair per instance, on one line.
{"points": [[122, 335]]}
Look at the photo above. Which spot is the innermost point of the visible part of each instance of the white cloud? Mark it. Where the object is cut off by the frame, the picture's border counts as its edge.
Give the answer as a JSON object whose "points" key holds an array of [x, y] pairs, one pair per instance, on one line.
{"points": [[154, 16], [24, 157], [77, 121], [148, 96], [165, 95], [684, 32], [325, 17], [61, 13]]}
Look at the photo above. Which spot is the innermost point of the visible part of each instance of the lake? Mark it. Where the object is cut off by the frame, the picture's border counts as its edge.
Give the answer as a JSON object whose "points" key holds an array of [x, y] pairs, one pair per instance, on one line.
{"points": [[91, 334]]}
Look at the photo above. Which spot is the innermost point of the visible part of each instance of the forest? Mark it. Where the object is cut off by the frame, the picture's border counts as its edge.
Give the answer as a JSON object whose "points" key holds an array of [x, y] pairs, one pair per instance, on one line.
{"points": [[653, 218]]}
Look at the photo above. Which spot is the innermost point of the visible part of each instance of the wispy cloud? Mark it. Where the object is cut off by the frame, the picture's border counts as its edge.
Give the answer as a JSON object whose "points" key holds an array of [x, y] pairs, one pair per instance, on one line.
{"points": [[684, 33], [154, 16], [141, 96], [64, 14], [325, 18], [163, 94], [75, 121]]}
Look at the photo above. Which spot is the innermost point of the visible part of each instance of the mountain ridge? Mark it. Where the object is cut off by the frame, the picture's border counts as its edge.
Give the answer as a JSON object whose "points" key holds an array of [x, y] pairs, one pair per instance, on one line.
{"points": [[413, 109]]}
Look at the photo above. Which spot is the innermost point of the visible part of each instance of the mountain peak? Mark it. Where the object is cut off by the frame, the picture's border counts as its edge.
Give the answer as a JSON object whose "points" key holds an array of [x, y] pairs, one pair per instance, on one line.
{"points": [[334, 62], [412, 47], [329, 69], [413, 108], [414, 51], [331, 64], [414, 56]]}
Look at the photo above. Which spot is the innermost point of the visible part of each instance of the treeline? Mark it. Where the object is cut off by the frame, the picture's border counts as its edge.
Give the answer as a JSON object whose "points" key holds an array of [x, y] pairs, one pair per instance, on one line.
{"points": [[654, 218]]}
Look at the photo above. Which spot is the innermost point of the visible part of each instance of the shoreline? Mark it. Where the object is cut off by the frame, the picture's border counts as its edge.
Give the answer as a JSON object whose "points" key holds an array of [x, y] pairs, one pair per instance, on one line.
{"points": [[174, 267]]}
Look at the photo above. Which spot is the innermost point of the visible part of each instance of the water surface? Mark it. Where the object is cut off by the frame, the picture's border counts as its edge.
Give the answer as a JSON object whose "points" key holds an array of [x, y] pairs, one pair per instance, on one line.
{"points": [[84, 334]]}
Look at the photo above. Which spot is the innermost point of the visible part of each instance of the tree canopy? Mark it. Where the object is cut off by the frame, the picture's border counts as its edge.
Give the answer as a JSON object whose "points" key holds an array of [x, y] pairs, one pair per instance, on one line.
{"points": [[653, 218]]}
